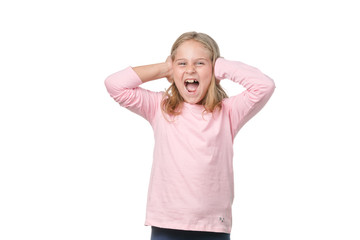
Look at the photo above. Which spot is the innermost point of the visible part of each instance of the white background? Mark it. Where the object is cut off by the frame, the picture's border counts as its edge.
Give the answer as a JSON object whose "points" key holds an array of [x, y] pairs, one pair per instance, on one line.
{"points": [[75, 165]]}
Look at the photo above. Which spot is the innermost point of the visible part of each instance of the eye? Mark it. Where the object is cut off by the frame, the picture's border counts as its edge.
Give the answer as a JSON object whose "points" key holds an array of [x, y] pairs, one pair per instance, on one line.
{"points": [[181, 63], [200, 63]]}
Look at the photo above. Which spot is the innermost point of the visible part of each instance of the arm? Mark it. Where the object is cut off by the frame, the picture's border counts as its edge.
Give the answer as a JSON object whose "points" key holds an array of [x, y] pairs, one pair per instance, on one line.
{"points": [[155, 71], [245, 105], [123, 87]]}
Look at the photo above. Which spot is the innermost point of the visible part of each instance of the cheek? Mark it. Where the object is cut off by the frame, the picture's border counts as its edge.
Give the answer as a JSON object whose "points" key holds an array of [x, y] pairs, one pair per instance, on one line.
{"points": [[177, 79], [206, 75], [177, 73]]}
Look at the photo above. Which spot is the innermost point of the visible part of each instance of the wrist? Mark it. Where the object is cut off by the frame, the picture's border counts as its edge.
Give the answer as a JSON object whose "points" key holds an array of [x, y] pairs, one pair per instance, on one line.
{"points": [[166, 70], [218, 69]]}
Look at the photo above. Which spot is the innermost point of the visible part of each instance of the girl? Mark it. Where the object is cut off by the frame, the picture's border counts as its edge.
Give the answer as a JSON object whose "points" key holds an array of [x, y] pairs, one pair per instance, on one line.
{"points": [[191, 186]]}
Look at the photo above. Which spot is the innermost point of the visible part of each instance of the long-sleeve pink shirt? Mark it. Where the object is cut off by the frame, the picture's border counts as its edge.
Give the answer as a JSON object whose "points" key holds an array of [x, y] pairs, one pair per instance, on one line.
{"points": [[191, 185]]}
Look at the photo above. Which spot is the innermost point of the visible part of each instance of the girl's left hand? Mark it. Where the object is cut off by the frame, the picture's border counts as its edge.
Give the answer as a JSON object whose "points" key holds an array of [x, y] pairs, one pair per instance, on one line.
{"points": [[169, 76]]}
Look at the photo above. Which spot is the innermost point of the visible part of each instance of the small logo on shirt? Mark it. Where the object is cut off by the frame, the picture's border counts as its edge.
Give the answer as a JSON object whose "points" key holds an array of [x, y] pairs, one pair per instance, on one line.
{"points": [[221, 219]]}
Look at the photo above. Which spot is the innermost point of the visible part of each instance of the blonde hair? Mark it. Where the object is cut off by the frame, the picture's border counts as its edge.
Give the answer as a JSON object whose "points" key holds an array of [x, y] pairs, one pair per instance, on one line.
{"points": [[172, 100]]}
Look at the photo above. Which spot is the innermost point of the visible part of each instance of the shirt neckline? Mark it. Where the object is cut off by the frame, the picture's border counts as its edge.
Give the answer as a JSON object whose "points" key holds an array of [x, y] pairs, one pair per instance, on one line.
{"points": [[194, 106]]}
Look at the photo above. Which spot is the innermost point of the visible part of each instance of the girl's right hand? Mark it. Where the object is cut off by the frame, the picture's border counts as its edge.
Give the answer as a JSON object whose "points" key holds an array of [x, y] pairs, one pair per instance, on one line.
{"points": [[169, 76]]}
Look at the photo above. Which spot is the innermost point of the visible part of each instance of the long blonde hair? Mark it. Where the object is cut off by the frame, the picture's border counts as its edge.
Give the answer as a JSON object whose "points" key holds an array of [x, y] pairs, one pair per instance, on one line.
{"points": [[172, 100]]}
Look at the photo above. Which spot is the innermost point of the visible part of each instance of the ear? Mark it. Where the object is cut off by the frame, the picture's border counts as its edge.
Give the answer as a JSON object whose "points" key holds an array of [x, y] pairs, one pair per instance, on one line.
{"points": [[171, 79]]}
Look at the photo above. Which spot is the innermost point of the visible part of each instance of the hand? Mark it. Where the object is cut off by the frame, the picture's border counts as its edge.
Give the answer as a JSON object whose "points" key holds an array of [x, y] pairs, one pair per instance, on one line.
{"points": [[216, 79], [169, 76]]}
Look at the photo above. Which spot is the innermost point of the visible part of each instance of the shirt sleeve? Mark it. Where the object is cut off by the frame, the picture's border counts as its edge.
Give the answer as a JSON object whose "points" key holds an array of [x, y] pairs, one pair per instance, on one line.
{"points": [[123, 87], [258, 90]]}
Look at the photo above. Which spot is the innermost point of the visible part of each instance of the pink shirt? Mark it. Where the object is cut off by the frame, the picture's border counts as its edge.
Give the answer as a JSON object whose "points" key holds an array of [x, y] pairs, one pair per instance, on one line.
{"points": [[191, 185]]}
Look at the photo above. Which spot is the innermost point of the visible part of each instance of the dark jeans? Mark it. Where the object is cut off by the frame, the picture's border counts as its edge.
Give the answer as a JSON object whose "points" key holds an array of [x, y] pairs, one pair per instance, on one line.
{"points": [[172, 234]]}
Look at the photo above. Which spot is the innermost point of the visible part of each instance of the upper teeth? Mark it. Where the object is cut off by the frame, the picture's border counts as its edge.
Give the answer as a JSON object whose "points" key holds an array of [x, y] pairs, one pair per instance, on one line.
{"points": [[191, 81]]}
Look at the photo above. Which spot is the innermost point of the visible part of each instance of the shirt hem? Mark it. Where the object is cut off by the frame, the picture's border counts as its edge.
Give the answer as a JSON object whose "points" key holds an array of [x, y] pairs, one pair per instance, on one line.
{"points": [[190, 228]]}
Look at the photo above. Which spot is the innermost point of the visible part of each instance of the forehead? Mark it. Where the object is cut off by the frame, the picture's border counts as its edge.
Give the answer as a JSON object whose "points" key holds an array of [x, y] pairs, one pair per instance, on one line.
{"points": [[192, 49]]}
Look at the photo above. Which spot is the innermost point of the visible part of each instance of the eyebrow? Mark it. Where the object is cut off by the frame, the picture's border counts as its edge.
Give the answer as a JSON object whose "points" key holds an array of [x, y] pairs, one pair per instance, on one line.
{"points": [[201, 58]]}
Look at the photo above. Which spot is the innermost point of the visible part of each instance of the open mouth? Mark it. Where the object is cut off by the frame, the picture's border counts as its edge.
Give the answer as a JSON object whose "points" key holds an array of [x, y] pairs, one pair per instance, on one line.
{"points": [[191, 85]]}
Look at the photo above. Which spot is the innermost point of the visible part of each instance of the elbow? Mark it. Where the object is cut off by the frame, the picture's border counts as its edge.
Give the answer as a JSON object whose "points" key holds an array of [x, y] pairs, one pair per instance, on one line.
{"points": [[268, 86], [269, 89], [271, 86], [269, 82], [263, 91], [120, 94], [109, 84], [112, 86]]}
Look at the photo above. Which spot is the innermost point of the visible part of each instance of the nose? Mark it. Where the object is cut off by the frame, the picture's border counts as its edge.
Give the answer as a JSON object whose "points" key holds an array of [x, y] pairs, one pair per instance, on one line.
{"points": [[190, 68]]}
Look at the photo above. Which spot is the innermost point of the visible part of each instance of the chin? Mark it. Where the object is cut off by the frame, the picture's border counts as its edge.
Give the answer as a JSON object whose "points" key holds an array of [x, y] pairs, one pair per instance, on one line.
{"points": [[193, 102]]}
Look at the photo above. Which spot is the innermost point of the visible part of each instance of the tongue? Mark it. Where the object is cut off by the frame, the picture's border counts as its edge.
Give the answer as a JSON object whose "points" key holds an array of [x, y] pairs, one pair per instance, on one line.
{"points": [[191, 87]]}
